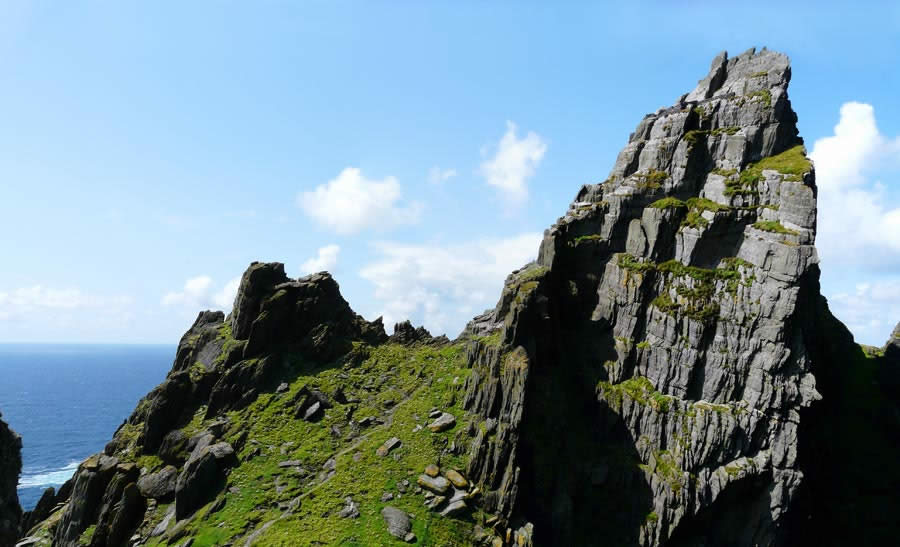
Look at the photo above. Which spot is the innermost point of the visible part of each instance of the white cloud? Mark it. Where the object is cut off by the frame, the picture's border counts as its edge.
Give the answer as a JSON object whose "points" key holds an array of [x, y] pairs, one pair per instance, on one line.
{"points": [[436, 175], [857, 222], [870, 311], [351, 203], [38, 300], [199, 293], [514, 162], [445, 286], [325, 259]]}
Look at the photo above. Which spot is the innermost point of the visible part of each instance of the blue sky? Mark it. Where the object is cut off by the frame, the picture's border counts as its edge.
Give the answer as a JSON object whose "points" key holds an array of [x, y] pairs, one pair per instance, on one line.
{"points": [[150, 151]]}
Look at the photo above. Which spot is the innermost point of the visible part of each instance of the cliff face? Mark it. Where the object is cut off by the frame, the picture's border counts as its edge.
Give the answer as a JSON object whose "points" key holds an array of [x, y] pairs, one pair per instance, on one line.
{"points": [[666, 373], [663, 323], [10, 467]]}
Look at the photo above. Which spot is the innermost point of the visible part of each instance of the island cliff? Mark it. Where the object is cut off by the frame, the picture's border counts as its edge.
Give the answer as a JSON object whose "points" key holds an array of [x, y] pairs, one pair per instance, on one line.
{"points": [[10, 467], [666, 373]]}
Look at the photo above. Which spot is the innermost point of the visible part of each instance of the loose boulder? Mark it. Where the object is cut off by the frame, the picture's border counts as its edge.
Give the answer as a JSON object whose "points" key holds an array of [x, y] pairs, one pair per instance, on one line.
{"points": [[202, 478]]}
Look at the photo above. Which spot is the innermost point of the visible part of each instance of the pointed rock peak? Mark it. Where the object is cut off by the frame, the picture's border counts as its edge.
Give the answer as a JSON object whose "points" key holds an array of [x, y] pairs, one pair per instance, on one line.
{"points": [[748, 71], [256, 282]]}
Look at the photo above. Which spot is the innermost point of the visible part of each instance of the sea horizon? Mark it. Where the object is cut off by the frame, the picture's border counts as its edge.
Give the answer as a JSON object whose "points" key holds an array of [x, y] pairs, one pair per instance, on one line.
{"points": [[66, 400]]}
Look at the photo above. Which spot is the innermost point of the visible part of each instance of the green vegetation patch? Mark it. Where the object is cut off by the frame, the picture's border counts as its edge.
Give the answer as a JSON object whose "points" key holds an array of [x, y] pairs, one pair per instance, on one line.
{"points": [[792, 164], [398, 385], [668, 203], [773, 226], [588, 238], [651, 180], [695, 135], [639, 389]]}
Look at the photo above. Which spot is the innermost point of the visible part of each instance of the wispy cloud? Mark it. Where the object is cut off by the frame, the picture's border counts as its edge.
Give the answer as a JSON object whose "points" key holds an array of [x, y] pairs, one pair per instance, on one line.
{"points": [[851, 199], [436, 175], [515, 160], [200, 293], [326, 259], [351, 203]]}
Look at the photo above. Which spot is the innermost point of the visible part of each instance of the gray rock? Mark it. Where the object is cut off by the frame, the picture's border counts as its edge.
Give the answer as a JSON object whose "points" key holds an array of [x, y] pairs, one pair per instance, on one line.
{"points": [[444, 422], [397, 521], [159, 485], [454, 508], [388, 445], [438, 484], [202, 477], [350, 509]]}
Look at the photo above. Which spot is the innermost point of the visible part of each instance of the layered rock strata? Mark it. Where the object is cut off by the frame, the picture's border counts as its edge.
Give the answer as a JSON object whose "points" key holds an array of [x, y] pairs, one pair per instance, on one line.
{"points": [[648, 371]]}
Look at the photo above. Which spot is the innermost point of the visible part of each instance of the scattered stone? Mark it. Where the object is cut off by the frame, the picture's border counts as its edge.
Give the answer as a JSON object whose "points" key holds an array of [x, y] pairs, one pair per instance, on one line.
{"points": [[357, 456], [290, 463], [444, 422], [438, 485], [417, 428], [335, 432], [435, 502], [314, 412], [432, 470], [286, 446], [409, 538], [163, 525], [453, 508], [397, 521], [388, 445], [457, 479], [434, 413], [350, 510], [330, 464], [402, 486], [367, 421], [387, 496], [282, 387], [251, 539]]}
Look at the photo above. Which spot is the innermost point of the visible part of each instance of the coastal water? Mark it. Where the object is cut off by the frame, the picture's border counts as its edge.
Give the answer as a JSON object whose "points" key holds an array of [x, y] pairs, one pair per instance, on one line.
{"points": [[67, 400]]}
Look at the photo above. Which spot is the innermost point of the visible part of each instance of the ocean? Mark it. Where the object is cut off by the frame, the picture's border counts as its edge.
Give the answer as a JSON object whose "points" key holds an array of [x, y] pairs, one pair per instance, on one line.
{"points": [[66, 400]]}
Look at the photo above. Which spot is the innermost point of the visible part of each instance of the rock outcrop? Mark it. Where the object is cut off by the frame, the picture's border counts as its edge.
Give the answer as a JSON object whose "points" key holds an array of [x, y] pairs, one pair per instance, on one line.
{"points": [[651, 368], [666, 373], [10, 467]]}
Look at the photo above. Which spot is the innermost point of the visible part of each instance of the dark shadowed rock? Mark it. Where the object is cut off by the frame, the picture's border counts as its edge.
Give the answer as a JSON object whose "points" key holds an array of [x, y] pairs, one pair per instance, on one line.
{"points": [[173, 449], [91, 481], [256, 284], [892, 347], [10, 467], [202, 478]]}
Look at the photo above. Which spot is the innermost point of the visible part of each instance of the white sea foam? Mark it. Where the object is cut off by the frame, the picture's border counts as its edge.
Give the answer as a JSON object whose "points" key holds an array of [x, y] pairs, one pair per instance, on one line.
{"points": [[50, 477]]}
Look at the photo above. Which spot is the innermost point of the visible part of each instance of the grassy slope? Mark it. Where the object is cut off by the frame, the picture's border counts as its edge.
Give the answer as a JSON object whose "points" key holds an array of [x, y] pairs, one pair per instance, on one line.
{"points": [[416, 379]]}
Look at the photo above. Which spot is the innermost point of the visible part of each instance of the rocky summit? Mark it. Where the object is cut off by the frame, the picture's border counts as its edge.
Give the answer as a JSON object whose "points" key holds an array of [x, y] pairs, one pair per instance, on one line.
{"points": [[666, 373]]}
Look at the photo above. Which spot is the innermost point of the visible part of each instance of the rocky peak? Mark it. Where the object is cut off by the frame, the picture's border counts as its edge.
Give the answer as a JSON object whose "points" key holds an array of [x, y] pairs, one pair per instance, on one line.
{"points": [[666, 308]]}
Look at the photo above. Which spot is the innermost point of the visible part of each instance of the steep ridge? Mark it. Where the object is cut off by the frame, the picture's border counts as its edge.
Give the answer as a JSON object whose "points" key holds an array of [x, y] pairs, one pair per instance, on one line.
{"points": [[10, 467], [666, 359], [666, 373]]}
